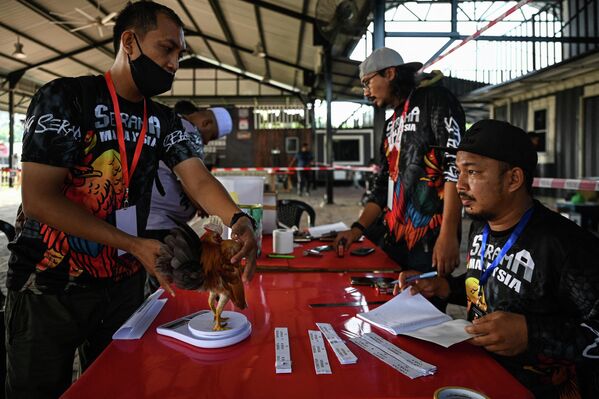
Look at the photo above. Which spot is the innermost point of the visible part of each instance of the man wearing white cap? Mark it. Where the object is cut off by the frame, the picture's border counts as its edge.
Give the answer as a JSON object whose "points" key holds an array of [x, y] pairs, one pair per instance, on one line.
{"points": [[416, 186], [168, 198]]}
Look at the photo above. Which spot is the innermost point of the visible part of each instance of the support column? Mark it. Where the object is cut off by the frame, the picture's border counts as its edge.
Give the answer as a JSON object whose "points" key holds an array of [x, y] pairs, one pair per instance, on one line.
{"points": [[328, 78], [378, 42]]}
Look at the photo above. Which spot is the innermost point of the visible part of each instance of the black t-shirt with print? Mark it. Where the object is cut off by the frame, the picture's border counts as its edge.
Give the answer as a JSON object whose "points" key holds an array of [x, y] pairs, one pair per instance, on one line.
{"points": [[434, 118], [550, 275], [70, 123]]}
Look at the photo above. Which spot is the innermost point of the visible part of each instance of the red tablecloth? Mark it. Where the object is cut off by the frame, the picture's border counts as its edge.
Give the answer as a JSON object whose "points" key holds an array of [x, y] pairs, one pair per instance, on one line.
{"points": [[329, 262], [161, 367]]}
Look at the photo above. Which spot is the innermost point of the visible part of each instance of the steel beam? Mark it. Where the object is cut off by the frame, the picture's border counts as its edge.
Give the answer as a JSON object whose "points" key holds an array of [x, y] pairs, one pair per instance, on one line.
{"points": [[32, 5], [198, 29], [495, 38], [282, 10], [47, 46], [262, 40], [220, 16]]}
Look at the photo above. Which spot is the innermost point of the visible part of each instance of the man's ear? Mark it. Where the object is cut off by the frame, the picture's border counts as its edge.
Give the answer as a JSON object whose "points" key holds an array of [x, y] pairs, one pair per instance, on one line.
{"points": [[128, 42], [390, 73], [205, 123], [517, 179]]}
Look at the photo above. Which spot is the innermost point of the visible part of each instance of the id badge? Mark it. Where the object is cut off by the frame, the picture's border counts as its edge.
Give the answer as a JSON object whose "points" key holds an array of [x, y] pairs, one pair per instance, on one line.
{"points": [[390, 190], [126, 220]]}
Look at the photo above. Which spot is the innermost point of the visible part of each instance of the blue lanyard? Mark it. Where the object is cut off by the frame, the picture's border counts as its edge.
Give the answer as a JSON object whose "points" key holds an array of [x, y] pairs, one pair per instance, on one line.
{"points": [[510, 242]]}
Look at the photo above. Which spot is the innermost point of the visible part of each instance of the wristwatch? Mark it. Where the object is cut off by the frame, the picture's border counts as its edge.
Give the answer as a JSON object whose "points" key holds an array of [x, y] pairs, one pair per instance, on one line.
{"points": [[358, 225], [242, 214]]}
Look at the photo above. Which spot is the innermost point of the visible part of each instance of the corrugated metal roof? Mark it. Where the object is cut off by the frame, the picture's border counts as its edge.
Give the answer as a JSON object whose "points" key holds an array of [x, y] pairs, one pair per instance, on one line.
{"points": [[34, 21]]}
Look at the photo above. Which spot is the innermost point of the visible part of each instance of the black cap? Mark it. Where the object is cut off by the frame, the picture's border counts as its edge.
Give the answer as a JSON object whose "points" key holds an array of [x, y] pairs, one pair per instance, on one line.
{"points": [[501, 141]]}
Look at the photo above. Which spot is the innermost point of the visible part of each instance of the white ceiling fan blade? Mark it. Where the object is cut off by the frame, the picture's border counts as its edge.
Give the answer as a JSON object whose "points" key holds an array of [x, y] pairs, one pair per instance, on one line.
{"points": [[110, 23], [82, 27], [78, 21], [100, 31], [86, 15], [107, 18]]}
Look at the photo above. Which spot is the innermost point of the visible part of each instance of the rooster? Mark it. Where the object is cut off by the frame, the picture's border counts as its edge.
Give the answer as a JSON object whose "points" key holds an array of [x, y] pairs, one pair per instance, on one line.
{"points": [[203, 263]]}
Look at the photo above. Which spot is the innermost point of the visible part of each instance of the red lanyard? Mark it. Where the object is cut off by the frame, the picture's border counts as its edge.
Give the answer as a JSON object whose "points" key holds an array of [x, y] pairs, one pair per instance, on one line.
{"points": [[127, 173], [406, 105]]}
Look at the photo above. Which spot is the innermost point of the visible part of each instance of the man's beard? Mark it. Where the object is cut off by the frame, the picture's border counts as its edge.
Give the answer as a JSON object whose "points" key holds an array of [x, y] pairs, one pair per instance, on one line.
{"points": [[480, 217]]}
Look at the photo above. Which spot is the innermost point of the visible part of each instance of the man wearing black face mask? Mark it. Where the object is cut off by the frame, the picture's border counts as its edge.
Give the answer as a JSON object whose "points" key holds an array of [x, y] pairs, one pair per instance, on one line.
{"points": [[91, 151], [415, 189]]}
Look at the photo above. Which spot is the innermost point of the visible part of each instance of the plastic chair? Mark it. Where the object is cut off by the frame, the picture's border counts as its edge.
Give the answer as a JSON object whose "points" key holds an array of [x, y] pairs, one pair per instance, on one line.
{"points": [[7, 229], [289, 213]]}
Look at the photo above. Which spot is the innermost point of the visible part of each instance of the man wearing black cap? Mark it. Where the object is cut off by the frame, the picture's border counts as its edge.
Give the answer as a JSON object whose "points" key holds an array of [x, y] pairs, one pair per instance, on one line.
{"points": [[532, 281], [416, 186]]}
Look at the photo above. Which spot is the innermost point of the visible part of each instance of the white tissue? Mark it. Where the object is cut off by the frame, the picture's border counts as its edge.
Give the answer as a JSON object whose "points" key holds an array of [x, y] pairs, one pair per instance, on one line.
{"points": [[282, 241]]}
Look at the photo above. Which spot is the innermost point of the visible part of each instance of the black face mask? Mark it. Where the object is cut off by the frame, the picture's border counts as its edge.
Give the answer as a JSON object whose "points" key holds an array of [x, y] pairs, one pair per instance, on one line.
{"points": [[149, 77]]}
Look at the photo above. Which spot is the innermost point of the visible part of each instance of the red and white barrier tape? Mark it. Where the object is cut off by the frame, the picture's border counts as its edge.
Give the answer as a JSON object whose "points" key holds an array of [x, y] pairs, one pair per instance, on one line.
{"points": [[295, 169], [540, 182], [567, 184]]}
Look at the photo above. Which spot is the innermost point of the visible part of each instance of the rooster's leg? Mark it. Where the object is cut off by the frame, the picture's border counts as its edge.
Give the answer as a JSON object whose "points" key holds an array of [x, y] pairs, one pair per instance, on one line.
{"points": [[211, 299], [219, 325]]}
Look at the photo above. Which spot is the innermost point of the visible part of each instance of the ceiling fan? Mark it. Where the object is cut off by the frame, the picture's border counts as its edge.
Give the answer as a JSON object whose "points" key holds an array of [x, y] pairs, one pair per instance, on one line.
{"points": [[87, 21]]}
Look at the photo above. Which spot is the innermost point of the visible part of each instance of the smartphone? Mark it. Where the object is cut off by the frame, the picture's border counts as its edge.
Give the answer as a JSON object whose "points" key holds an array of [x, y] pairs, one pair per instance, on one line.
{"points": [[362, 251], [369, 281], [322, 248], [301, 239]]}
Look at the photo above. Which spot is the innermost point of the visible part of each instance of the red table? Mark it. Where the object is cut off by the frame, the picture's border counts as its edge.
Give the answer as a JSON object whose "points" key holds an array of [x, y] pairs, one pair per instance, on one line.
{"points": [[161, 367], [377, 261]]}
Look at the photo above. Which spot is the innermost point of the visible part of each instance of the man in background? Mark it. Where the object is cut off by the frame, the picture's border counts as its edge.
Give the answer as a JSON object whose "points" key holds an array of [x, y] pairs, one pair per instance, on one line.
{"points": [[415, 189], [303, 159]]}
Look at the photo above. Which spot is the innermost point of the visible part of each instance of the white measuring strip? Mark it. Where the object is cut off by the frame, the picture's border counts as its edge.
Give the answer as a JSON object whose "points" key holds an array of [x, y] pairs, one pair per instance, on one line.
{"points": [[282, 353], [319, 353], [392, 358], [341, 350], [424, 367]]}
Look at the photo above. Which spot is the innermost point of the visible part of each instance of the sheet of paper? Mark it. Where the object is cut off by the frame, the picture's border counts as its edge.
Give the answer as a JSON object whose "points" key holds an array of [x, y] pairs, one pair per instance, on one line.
{"points": [[126, 220], [282, 351], [319, 353], [341, 350], [445, 334], [138, 323], [327, 228], [385, 357], [405, 313], [423, 367]]}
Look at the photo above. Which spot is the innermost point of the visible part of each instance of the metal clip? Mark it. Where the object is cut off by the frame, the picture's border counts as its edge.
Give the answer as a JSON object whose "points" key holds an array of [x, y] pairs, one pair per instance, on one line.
{"points": [[126, 201]]}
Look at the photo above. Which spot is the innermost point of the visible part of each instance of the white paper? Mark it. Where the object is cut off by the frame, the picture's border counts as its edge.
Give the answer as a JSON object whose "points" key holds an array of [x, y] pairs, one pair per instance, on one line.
{"points": [[444, 334], [327, 228], [126, 220], [415, 316], [319, 353], [344, 355], [385, 357], [282, 352], [423, 367], [390, 190], [405, 313], [138, 323]]}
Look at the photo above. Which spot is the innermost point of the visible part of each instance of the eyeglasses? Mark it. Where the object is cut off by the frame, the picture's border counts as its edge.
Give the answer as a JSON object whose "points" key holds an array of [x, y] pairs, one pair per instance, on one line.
{"points": [[366, 83]]}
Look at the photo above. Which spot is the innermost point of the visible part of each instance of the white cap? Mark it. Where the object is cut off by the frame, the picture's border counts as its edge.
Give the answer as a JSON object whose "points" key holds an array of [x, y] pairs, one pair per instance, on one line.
{"points": [[224, 122], [383, 58]]}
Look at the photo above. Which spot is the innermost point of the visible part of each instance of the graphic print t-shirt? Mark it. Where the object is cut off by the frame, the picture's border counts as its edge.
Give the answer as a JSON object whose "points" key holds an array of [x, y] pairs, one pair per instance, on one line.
{"points": [[71, 125], [418, 172], [545, 276], [173, 203]]}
